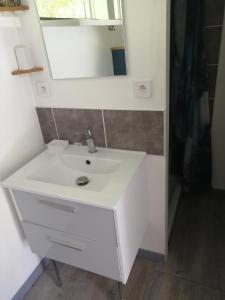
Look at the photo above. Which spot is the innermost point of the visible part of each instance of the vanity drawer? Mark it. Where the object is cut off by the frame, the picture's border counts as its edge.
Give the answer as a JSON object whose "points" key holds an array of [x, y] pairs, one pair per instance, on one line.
{"points": [[82, 253], [84, 220]]}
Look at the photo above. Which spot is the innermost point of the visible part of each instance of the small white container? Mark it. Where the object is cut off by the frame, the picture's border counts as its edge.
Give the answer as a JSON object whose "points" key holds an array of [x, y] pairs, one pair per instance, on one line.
{"points": [[23, 57], [57, 146]]}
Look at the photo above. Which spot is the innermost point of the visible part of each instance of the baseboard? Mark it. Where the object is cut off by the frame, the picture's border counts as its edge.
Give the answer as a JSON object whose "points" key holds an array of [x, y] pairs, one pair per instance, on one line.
{"points": [[153, 256], [31, 280]]}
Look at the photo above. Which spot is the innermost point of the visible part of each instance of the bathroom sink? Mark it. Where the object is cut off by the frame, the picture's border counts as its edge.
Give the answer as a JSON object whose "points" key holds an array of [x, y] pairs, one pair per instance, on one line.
{"points": [[108, 173], [65, 169], [99, 226], [89, 164]]}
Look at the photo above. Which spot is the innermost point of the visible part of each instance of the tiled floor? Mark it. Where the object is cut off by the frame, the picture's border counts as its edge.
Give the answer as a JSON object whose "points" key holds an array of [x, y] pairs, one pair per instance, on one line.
{"points": [[195, 269]]}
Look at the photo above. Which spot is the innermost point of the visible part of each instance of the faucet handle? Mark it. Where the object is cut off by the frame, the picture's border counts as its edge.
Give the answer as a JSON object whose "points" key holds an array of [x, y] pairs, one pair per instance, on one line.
{"points": [[88, 137], [86, 133]]}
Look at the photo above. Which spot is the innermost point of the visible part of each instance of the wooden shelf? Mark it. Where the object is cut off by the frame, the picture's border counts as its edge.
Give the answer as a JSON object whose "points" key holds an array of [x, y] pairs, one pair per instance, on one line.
{"points": [[118, 48], [33, 70], [13, 8]]}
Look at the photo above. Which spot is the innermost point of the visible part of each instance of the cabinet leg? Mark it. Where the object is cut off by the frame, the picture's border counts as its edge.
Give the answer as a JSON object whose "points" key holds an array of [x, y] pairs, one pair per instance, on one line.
{"points": [[59, 280]]}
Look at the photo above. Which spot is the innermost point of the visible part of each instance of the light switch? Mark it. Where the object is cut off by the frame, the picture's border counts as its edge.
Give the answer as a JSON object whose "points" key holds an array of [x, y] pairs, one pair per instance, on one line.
{"points": [[43, 89], [142, 89]]}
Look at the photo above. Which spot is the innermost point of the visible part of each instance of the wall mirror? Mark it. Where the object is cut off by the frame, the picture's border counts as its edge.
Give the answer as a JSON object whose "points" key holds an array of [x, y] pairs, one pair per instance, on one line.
{"points": [[83, 38]]}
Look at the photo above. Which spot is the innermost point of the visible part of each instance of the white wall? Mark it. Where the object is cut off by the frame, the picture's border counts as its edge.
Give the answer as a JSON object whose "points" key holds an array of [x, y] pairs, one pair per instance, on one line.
{"points": [[20, 139], [218, 127], [146, 32], [145, 24], [155, 238], [81, 51]]}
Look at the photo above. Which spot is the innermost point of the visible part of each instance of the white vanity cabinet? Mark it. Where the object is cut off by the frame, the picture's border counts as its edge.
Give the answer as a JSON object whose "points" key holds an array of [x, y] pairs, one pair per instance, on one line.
{"points": [[74, 250], [102, 236], [76, 234], [87, 221]]}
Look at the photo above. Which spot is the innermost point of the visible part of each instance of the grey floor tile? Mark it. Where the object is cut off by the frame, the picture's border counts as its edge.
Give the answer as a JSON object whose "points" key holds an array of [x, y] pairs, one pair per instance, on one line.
{"points": [[141, 279], [222, 295], [82, 285], [77, 285], [169, 287], [197, 251]]}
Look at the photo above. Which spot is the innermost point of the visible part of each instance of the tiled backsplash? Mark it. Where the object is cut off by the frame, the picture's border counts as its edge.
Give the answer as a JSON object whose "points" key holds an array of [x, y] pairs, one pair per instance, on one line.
{"points": [[47, 123], [120, 129], [71, 122], [135, 130]]}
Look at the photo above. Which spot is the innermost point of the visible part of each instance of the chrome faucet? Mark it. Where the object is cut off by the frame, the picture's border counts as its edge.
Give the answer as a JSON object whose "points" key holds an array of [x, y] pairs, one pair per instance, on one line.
{"points": [[88, 137]]}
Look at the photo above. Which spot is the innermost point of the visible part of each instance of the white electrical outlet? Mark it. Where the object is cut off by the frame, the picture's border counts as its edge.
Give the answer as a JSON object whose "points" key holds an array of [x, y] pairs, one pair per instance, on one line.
{"points": [[43, 89], [142, 89]]}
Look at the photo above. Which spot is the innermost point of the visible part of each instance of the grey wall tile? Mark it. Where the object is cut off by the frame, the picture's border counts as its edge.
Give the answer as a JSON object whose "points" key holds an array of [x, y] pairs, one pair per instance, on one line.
{"points": [[135, 130], [213, 41], [71, 121], [47, 124], [214, 11]]}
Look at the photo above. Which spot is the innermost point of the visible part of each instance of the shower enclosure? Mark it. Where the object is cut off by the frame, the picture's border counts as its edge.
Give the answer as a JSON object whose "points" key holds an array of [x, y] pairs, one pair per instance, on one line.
{"points": [[190, 140]]}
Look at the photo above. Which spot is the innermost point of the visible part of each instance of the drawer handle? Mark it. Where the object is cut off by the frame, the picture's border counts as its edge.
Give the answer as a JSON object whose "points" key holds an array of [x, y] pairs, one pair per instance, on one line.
{"points": [[77, 246], [58, 206]]}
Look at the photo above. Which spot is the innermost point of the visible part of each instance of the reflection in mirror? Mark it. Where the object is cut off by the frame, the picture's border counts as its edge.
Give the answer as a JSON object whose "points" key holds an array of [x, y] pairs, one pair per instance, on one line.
{"points": [[83, 38]]}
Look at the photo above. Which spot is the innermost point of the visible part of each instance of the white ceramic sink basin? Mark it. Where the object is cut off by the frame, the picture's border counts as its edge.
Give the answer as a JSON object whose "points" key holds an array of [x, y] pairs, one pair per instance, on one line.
{"points": [[65, 168], [89, 164], [109, 173]]}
